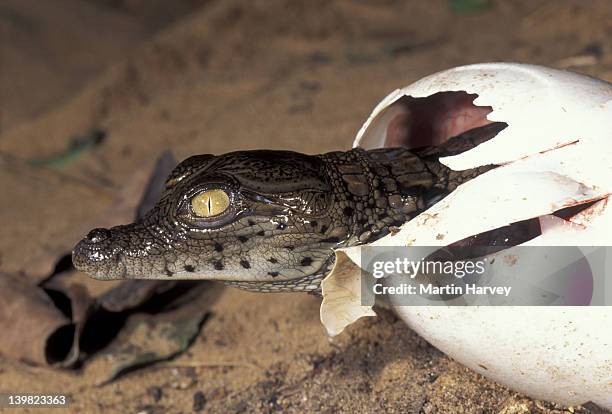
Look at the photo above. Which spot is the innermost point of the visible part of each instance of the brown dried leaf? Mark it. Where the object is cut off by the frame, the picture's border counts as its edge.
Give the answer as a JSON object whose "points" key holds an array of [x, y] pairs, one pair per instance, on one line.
{"points": [[31, 324]]}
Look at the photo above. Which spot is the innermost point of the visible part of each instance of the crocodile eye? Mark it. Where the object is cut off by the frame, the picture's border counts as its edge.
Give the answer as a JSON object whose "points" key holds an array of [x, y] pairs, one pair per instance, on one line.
{"points": [[210, 203]]}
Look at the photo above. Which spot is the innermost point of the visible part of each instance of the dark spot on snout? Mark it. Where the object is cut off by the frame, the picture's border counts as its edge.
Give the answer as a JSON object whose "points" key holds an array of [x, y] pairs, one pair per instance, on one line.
{"points": [[272, 260], [218, 265], [261, 233], [243, 239], [189, 268], [218, 247], [245, 264], [273, 274], [306, 261]]}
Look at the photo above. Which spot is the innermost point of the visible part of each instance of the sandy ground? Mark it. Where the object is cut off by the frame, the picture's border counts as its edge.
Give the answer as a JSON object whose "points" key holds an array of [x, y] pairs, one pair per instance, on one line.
{"points": [[242, 74]]}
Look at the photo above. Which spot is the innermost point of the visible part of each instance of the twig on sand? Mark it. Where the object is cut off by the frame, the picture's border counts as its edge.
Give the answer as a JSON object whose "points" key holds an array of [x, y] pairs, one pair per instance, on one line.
{"points": [[213, 364]]}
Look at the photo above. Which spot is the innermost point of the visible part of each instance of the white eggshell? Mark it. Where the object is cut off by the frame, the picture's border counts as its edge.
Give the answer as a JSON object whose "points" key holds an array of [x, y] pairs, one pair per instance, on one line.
{"points": [[557, 152]]}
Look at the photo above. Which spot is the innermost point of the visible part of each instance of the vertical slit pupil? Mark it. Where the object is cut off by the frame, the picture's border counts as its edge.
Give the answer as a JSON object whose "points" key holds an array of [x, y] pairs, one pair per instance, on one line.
{"points": [[210, 203]]}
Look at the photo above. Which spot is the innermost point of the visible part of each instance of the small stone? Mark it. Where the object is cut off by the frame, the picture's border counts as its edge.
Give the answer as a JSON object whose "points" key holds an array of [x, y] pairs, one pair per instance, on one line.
{"points": [[182, 382], [240, 407], [199, 401], [156, 393]]}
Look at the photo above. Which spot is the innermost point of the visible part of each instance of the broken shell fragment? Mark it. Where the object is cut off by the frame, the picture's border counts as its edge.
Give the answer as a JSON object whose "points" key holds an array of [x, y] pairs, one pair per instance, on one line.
{"points": [[554, 154]]}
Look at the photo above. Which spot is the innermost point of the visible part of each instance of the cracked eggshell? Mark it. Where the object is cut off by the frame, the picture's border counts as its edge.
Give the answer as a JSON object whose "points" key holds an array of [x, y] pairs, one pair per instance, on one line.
{"points": [[555, 152]]}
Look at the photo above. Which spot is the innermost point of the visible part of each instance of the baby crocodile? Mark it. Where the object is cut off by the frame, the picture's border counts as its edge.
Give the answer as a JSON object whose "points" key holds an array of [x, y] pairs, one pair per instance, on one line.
{"points": [[269, 221]]}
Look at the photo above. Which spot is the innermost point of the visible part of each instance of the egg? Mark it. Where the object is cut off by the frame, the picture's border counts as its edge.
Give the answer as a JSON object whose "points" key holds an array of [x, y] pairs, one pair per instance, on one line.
{"points": [[554, 153]]}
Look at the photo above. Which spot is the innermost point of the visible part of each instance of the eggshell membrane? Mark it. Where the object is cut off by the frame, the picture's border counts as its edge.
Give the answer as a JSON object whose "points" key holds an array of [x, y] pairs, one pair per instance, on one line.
{"points": [[556, 152]]}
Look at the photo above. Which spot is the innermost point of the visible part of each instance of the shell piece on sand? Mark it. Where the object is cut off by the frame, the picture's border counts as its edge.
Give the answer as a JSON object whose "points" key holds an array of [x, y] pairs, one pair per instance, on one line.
{"points": [[554, 153], [342, 296]]}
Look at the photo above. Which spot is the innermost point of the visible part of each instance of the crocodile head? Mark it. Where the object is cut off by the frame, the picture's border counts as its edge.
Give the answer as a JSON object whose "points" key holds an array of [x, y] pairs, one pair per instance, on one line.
{"points": [[261, 219]]}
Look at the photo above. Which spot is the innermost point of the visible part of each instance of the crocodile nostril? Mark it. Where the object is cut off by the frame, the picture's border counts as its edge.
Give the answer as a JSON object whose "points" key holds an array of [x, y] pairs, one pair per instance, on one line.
{"points": [[98, 235]]}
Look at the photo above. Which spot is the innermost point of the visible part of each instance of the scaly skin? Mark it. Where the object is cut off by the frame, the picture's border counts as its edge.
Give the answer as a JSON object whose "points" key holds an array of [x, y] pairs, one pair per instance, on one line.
{"points": [[287, 213]]}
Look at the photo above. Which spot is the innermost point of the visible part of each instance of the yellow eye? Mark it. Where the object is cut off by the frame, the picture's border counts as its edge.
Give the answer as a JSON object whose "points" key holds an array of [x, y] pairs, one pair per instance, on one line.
{"points": [[210, 203]]}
